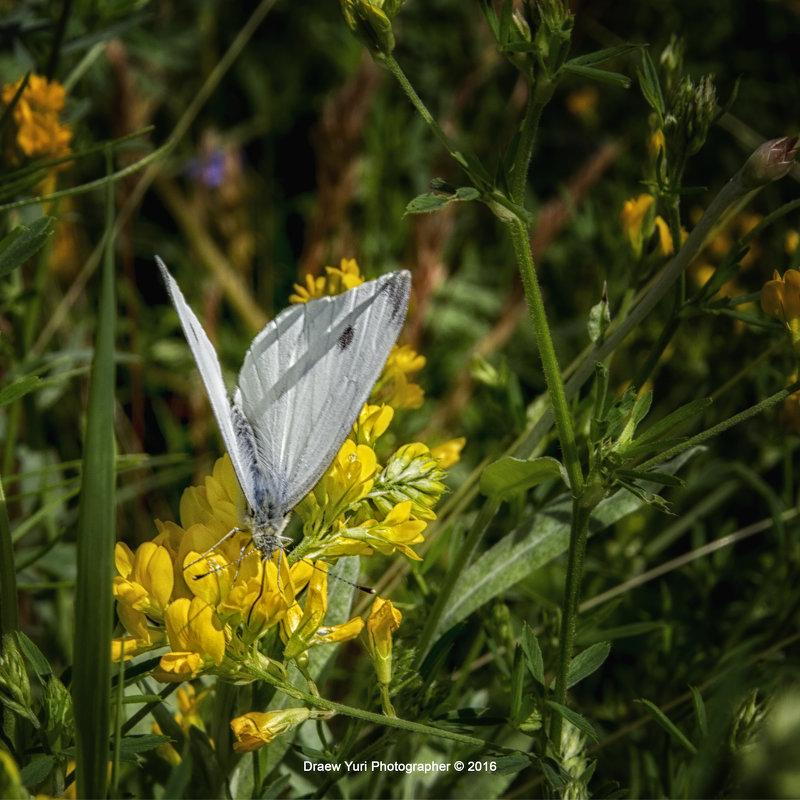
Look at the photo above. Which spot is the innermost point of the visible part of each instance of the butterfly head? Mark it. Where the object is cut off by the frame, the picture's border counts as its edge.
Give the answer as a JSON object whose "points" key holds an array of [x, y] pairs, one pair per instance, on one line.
{"points": [[267, 524]]}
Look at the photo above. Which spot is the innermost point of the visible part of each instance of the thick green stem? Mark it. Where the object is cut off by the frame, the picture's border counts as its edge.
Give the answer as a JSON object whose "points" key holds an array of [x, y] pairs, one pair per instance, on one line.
{"points": [[569, 617], [547, 353]]}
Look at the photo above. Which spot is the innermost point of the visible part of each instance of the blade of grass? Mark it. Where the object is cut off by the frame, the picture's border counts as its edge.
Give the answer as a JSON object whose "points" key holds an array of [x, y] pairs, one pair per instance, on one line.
{"points": [[91, 683], [9, 610]]}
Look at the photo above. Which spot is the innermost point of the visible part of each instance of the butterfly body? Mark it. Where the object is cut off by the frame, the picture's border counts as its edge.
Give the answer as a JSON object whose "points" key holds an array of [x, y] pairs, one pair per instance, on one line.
{"points": [[302, 384]]}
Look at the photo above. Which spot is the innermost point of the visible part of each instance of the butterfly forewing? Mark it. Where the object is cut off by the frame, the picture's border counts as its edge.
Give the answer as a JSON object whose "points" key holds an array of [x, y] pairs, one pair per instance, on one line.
{"points": [[307, 375], [211, 373]]}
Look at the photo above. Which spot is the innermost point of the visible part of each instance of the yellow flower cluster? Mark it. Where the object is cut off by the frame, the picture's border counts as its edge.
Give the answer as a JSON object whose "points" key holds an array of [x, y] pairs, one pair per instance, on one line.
{"points": [[37, 131], [201, 590], [335, 281]]}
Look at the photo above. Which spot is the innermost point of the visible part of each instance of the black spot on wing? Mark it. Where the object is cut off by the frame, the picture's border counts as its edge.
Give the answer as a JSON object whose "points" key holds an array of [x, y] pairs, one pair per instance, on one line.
{"points": [[346, 338], [397, 289]]}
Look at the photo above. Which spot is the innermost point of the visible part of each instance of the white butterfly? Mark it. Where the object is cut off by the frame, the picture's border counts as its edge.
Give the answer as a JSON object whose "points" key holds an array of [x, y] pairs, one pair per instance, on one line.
{"points": [[302, 384]]}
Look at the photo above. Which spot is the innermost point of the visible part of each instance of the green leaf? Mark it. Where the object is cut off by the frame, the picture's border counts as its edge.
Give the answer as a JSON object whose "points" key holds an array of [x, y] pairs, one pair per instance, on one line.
{"points": [[586, 662], [602, 75], [428, 202], [18, 389], [33, 655], [601, 56], [509, 476], [576, 719], [533, 653], [467, 193], [131, 746], [534, 543], [599, 319], [700, 711], [35, 771], [505, 21], [651, 476], [641, 408], [668, 725], [22, 242], [436, 201], [620, 632], [96, 534], [650, 86], [675, 418], [510, 765]]}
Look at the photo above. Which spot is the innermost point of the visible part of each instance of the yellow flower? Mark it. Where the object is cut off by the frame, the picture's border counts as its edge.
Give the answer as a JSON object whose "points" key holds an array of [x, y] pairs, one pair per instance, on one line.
{"points": [[394, 386], [397, 531], [582, 103], [632, 219], [303, 629], [38, 130], [656, 143], [347, 481], [261, 595], [189, 702], [449, 453], [256, 729], [166, 750], [145, 579], [196, 637], [145, 636], [780, 298], [664, 236], [384, 620], [791, 242], [216, 501], [334, 281], [371, 424]]}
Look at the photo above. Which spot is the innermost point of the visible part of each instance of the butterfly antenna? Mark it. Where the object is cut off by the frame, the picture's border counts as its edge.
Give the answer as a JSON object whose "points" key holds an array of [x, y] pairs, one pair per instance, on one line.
{"points": [[214, 547], [359, 586], [220, 567]]}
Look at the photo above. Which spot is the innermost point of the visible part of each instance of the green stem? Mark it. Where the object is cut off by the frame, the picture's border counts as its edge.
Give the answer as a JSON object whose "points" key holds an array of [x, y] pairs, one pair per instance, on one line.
{"points": [[537, 100], [733, 191], [579, 532], [369, 716], [547, 353], [703, 436], [391, 64]]}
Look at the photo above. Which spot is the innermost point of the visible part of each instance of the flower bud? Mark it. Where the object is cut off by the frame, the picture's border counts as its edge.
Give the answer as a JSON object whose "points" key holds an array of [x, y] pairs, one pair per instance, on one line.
{"points": [[58, 711], [15, 688], [770, 162], [384, 620], [371, 22], [256, 729]]}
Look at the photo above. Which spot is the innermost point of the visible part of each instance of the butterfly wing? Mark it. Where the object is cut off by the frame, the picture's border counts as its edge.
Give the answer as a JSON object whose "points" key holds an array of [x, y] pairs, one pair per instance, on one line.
{"points": [[234, 435], [307, 375]]}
